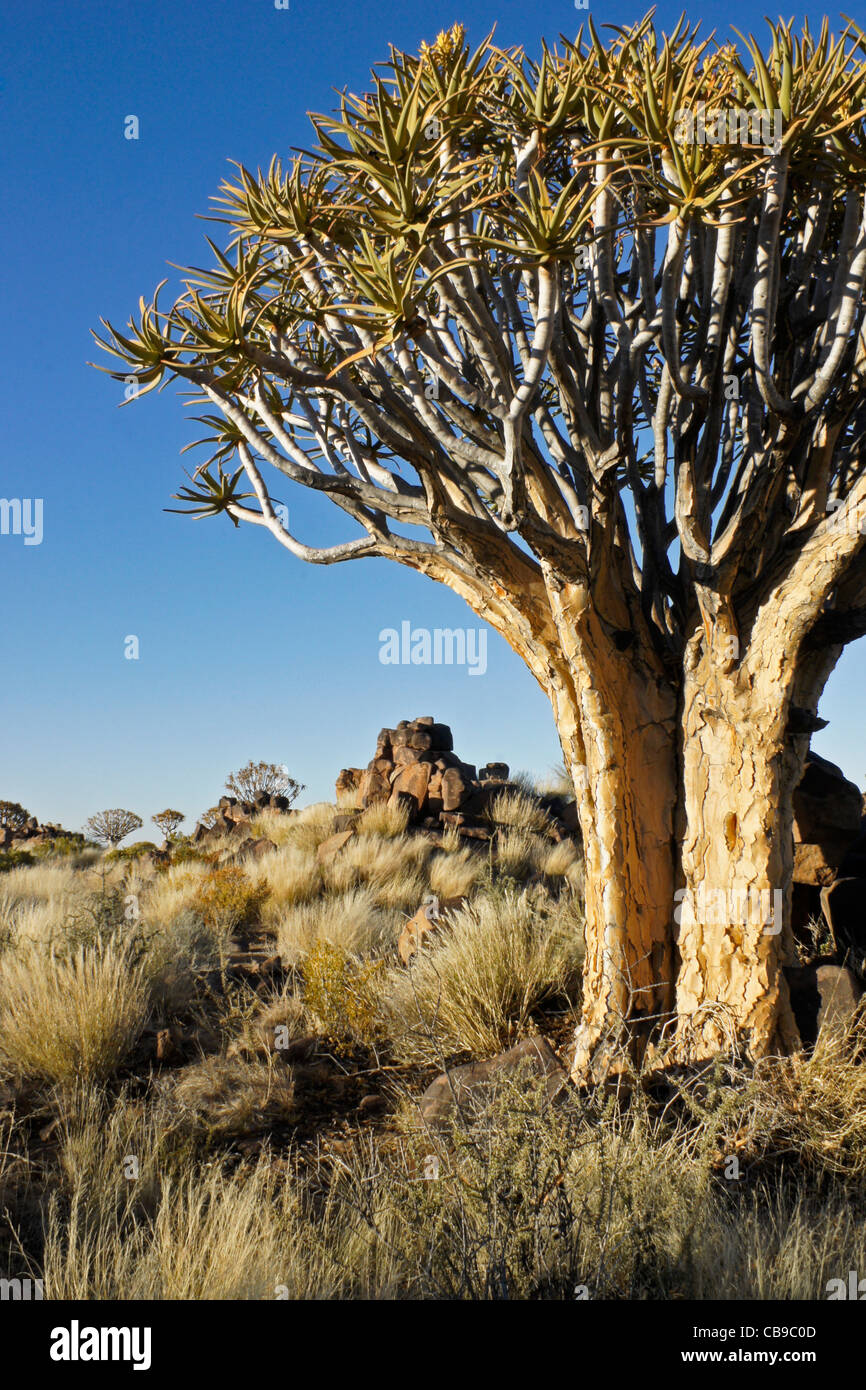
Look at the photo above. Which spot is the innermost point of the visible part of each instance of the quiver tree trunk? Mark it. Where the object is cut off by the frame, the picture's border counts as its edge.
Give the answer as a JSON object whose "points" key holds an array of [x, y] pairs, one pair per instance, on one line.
{"points": [[686, 815], [686, 806]]}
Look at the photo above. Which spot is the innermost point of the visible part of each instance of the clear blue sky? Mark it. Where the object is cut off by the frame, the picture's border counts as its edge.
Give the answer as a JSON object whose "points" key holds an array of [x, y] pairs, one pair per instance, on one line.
{"points": [[244, 651]]}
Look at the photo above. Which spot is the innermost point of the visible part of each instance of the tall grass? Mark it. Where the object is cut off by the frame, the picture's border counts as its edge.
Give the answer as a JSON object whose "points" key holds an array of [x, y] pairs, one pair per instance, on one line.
{"points": [[476, 984], [529, 1200], [71, 1017]]}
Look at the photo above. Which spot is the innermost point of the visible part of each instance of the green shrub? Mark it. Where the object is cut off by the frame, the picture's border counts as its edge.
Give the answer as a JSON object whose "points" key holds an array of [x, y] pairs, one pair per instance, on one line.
{"points": [[15, 859], [227, 899], [131, 852], [340, 990], [64, 846]]}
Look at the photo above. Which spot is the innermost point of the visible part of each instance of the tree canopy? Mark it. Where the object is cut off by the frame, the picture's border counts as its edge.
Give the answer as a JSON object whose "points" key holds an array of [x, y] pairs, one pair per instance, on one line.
{"points": [[514, 314]]}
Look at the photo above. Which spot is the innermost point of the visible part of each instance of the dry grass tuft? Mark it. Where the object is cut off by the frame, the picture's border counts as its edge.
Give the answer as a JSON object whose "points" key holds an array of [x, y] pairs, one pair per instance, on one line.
{"points": [[457, 874], [519, 810], [384, 819], [475, 987], [226, 1097], [352, 921], [65, 1018]]}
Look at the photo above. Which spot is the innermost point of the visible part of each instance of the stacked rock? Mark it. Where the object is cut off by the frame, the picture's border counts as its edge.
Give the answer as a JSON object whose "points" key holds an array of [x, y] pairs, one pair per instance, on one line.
{"points": [[32, 833], [415, 764], [234, 816]]}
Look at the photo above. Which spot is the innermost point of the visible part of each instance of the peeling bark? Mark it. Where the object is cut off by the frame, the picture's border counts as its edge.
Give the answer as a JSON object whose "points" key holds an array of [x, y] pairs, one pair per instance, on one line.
{"points": [[733, 932]]}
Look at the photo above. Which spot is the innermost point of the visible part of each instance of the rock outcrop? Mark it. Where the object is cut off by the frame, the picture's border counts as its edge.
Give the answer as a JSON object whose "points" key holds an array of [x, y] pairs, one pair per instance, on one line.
{"points": [[827, 814], [234, 816], [32, 833], [415, 765]]}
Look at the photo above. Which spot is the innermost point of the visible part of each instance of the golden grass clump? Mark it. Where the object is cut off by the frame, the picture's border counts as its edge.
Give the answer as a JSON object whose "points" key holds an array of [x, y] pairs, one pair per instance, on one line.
{"points": [[518, 810], [77, 1016], [516, 850], [476, 985], [172, 894], [456, 874], [351, 921], [287, 878], [385, 819], [562, 860]]}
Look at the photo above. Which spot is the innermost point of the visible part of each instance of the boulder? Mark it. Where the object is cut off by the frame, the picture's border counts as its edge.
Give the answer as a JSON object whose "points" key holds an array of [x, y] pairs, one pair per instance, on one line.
{"points": [[332, 846], [413, 781], [469, 1086], [455, 789], [443, 739], [373, 787], [818, 864], [827, 807], [348, 781], [824, 997], [493, 772], [421, 739], [255, 849], [426, 920], [839, 994], [853, 864], [844, 906], [403, 754]]}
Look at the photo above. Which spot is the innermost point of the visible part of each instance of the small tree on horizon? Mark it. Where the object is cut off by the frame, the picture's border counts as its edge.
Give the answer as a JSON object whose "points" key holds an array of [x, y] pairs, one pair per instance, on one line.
{"points": [[110, 827], [272, 778], [168, 821]]}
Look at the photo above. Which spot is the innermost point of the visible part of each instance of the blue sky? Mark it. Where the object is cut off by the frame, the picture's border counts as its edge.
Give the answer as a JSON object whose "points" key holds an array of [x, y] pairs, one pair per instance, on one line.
{"points": [[244, 651]]}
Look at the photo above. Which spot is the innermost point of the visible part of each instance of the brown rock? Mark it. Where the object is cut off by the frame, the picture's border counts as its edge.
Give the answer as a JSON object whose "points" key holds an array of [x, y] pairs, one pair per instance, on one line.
{"points": [[300, 1049], [403, 755], [455, 789], [839, 992], [827, 806], [332, 846], [165, 1045], [494, 772], [383, 744], [422, 739], [372, 1105], [348, 781], [818, 864], [254, 849], [469, 1085], [824, 996], [374, 786], [413, 781], [425, 921], [443, 739]]}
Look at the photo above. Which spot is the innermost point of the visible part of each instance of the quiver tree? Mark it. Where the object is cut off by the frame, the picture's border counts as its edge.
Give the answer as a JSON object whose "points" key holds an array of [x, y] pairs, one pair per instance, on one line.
{"points": [[13, 816], [602, 375], [269, 779], [110, 827], [168, 821]]}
